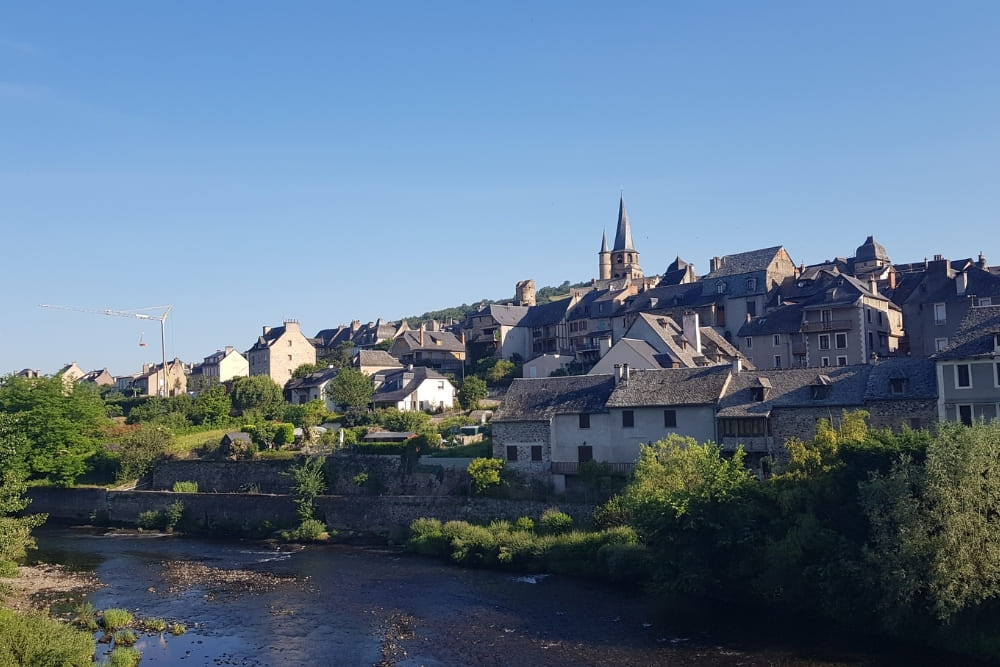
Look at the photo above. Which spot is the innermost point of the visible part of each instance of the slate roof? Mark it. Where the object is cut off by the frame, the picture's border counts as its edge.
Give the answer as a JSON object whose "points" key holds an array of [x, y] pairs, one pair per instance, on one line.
{"points": [[688, 295], [870, 250], [546, 314], [376, 358], [936, 286], [313, 379], [506, 315], [623, 236], [397, 385], [975, 335], [267, 340], [792, 387], [670, 386], [920, 375], [744, 262], [539, 399], [433, 340]]}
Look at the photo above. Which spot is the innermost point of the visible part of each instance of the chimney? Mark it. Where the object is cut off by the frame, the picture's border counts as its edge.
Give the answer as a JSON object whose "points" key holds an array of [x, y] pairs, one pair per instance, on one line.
{"points": [[692, 331], [267, 330], [423, 328], [873, 285], [961, 283], [938, 258], [714, 264], [982, 261], [146, 368], [737, 365], [605, 345], [624, 373], [292, 325], [229, 349]]}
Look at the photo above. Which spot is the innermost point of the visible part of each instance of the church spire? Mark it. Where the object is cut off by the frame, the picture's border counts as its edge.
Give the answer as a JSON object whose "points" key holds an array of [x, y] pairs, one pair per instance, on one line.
{"points": [[623, 238], [604, 242]]}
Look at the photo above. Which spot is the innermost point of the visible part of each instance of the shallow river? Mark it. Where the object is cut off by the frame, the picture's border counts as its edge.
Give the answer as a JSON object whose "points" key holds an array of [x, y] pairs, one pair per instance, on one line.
{"points": [[250, 604]]}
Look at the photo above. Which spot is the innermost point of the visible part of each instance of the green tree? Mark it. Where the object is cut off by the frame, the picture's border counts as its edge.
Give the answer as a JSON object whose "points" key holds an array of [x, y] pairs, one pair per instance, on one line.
{"points": [[394, 419], [306, 415], [61, 424], [15, 527], [212, 406], [341, 356], [307, 369], [351, 388], [473, 390], [139, 448], [258, 394]]}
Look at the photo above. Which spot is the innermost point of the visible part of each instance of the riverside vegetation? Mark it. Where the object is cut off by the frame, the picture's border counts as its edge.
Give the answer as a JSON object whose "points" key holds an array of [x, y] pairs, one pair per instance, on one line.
{"points": [[878, 532], [897, 533]]}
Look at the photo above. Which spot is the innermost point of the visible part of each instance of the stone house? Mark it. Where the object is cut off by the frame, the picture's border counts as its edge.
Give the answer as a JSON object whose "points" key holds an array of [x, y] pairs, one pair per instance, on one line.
{"points": [[968, 370], [224, 365], [496, 331], [312, 387], [100, 378], [153, 381], [740, 285], [440, 350], [370, 362], [279, 351], [413, 388]]}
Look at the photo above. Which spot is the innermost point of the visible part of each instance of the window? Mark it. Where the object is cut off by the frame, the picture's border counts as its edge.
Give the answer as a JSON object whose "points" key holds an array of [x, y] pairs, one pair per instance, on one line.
{"points": [[584, 453], [289, 343], [289, 357], [939, 313], [752, 308], [720, 287], [940, 344], [511, 452], [824, 361], [985, 301], [962, 378], [841, 361], [751, 284], [965, 414], [776, 341], [840, 340], [824, 341], [584, 421], [897, 385], [868, 314], [628, 418], [996, 378], [826, 315], [748, 342], [670, 418], [871, 340], [880, 318], [744, 427], [777, 361], [536, 452]]}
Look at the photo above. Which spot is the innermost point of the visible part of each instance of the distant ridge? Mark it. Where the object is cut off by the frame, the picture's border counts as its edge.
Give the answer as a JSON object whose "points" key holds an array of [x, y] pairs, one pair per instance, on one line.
{"points": [[459, 313]]}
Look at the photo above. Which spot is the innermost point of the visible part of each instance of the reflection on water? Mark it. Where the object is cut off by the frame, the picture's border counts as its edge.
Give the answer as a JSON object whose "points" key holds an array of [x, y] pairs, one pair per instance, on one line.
{"points": [[247, 604]]}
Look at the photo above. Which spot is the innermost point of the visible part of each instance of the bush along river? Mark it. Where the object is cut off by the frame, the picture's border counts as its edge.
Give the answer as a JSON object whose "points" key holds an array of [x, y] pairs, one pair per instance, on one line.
{"points": [[258, 603]]}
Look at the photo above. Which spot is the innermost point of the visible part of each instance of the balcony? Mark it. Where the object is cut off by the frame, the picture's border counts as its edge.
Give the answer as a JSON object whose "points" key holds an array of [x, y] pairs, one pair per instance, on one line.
{"points": [[831, 325], [573, 468]]}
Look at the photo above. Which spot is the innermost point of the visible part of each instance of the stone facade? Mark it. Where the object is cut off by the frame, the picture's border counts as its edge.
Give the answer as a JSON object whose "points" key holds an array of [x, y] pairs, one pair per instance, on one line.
{"points": [[523, 435]]}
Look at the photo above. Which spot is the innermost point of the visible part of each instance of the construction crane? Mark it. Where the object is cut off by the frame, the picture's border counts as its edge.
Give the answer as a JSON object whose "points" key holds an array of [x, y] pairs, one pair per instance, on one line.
{"points": [[155, 314]]}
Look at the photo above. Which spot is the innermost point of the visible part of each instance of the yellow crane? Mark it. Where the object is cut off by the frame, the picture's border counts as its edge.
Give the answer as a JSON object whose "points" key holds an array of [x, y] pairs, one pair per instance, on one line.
{"points": [[153, 313]]}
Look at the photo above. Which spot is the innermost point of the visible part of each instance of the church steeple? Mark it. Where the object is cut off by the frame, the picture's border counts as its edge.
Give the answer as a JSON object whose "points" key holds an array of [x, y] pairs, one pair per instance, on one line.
{"points": [[604, 242], [623, 257], [623, 237]]}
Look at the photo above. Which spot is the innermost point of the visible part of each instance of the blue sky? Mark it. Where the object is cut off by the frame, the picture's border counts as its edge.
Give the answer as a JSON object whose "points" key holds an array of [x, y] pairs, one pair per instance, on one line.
{"points": [[250, 162]]}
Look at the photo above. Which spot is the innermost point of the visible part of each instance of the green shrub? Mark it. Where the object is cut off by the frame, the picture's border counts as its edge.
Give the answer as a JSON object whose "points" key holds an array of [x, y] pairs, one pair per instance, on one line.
{"points": [[310, 530], [116, 618], [185, 487], [177, 629], [124, 656], [554, 522], [85, 614], [485, 473], [276, 455], [524, 523], [154, 625], [284, 434], [172, 515], [427, 538], [36, 639], [9, 570], [625, 563], [124, 637], [149, 520]]}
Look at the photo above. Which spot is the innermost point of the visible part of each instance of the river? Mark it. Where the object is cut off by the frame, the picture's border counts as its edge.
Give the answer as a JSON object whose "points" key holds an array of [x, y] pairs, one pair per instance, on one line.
{"points": [[254, 604]]}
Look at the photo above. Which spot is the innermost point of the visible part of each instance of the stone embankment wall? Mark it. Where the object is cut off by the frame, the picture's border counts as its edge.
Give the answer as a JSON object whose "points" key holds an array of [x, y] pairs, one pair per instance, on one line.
{"points": [[364, 514], [382, 476]]}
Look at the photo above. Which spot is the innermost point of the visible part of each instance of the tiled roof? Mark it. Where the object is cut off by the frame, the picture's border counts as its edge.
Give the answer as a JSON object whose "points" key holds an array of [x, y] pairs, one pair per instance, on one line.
{"points": [[671, 386], [376, 358], [792, 387], [975, 335], [397, 385], [314, 379], [539, 399], [505, 315], [545, 315], [433, 340]]}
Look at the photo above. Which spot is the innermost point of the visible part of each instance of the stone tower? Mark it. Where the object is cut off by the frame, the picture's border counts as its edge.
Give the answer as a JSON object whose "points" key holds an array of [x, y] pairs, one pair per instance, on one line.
{"points": [[623, 256], [524, 293], [605, 259]]}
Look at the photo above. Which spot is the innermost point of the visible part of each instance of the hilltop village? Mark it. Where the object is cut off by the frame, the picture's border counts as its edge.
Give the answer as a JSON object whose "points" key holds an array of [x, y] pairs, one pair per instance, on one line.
{"points": [[750, 353]]}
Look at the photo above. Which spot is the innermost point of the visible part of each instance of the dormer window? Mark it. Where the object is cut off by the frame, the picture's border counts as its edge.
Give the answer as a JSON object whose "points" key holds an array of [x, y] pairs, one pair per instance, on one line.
{"points": [[720, 287], [897, 386], [751, 284], [820, 388], [996, 341]]}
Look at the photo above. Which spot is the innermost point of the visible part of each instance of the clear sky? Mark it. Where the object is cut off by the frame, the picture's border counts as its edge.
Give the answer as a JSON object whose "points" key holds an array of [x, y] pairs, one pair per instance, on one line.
{"points": [[249, 162]]}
